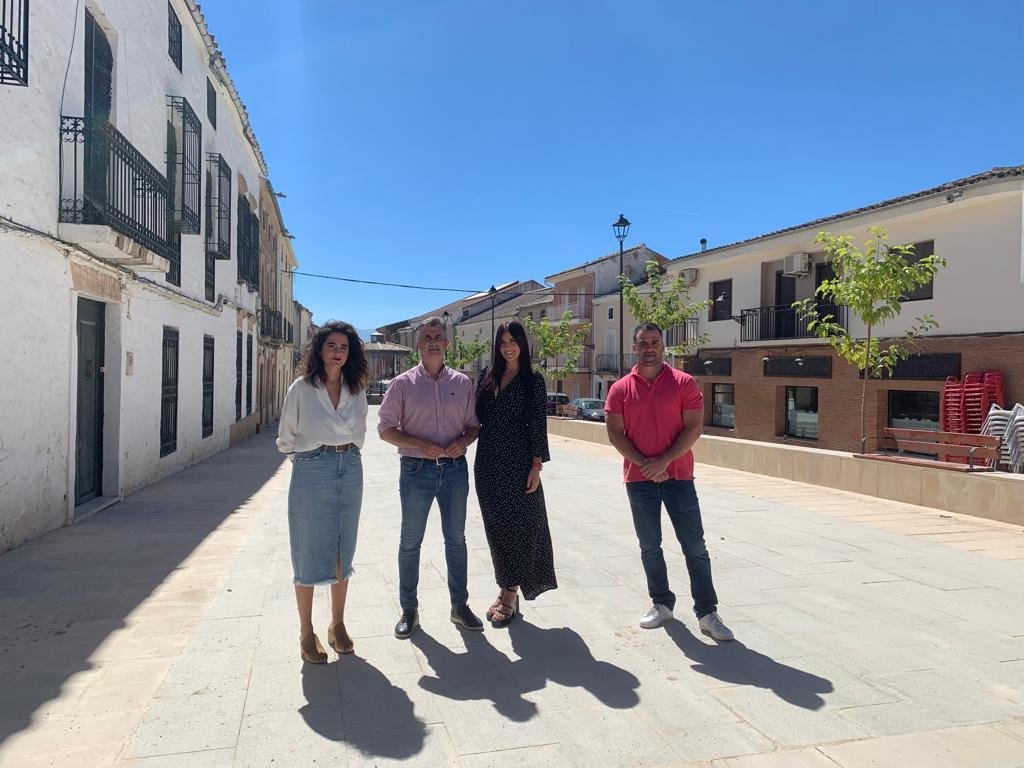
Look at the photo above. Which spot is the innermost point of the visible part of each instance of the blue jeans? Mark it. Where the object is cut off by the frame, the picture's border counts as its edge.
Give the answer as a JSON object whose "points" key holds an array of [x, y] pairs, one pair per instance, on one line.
{"points": [[421, 481], [680, 499]]}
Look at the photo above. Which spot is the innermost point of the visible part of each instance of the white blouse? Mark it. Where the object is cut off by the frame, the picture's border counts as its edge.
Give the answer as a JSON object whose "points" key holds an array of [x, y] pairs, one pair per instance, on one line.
{"points": [[309, 419]]}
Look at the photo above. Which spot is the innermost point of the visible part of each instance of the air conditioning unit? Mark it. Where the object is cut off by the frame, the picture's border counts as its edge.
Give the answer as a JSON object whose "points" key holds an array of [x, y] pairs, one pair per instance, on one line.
{"points": [[797, 264], [690, 276]]}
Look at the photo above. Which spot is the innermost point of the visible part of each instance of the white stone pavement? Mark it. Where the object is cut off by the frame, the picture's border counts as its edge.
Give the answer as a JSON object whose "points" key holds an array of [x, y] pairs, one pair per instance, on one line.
{"points": [[162, 633]]}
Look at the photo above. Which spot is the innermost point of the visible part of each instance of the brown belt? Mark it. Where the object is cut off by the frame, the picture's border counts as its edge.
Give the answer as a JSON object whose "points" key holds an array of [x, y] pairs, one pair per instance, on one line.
{"points": [[338, 448]]}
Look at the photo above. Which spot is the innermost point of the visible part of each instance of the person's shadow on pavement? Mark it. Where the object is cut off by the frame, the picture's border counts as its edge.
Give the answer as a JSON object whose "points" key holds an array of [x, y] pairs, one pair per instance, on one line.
{"points": [[561, 656], [733, 662], [478, 674], [376, 718]]}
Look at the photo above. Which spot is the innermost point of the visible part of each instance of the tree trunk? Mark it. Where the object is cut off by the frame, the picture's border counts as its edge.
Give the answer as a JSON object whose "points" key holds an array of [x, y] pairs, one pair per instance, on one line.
{"points": [[864, 392]]}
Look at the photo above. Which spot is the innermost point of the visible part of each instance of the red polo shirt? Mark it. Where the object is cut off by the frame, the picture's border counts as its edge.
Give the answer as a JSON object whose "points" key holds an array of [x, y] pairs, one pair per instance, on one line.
{"points": [[652, 414]]}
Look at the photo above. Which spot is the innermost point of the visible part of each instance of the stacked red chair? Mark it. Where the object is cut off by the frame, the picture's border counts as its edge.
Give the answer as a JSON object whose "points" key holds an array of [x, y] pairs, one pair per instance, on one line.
{"points": [[966, 404], [951, 410]]}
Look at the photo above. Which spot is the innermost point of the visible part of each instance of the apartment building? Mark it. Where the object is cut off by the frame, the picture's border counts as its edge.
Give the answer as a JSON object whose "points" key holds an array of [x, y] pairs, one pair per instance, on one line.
{"points": [[575, 292], [276, 366], [129, 248], [534, 299], [766, 377]]}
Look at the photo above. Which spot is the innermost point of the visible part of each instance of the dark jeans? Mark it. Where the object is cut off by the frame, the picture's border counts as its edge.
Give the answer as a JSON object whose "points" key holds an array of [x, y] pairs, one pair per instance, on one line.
{"points": [[420, 482], [680, 499]]}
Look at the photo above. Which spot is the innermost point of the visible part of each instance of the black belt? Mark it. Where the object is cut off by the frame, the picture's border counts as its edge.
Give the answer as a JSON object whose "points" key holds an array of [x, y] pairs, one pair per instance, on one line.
{"points": [[439, 461]]}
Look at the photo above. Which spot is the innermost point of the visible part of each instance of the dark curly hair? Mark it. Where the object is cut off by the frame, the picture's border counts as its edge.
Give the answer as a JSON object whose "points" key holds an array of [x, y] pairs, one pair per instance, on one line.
{"points": [[356, 370]]}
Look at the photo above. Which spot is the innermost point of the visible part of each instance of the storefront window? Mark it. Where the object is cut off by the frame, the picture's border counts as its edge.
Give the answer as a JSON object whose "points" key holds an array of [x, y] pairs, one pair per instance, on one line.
{"points": [[802, 412], [723, 405]]}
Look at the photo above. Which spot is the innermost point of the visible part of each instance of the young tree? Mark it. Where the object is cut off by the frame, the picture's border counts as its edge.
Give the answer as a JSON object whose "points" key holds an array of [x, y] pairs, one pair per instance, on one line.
{"points": [[460, 354], [558, 343], [872, 284], [667, 304]]}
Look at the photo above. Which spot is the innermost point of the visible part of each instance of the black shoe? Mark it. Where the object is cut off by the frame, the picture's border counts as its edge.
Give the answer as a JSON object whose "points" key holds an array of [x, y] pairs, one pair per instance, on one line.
{"points": [[407, 624], [466, 618]]}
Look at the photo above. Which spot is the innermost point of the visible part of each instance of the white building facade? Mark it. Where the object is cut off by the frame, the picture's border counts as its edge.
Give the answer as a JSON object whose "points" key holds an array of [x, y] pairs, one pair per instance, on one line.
{"points": [[129, 247]]}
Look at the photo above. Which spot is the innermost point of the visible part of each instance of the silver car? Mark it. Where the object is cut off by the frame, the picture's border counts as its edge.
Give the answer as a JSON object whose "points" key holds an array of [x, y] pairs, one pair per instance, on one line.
{"points": [[588, 408]]}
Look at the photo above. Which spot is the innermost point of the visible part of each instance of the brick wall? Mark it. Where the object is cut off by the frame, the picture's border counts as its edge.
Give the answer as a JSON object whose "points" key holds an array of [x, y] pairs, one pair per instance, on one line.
{"points": [[760, 400]]}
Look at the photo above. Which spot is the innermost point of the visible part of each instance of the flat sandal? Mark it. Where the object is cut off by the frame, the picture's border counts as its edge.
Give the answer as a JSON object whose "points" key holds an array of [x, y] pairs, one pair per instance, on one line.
{"points": [[510, 611], [338, 638]]}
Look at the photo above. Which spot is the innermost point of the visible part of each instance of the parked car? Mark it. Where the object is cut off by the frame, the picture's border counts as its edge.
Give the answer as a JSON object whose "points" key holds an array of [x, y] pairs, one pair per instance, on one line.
{"points": [[556, 403], [586, 409]]}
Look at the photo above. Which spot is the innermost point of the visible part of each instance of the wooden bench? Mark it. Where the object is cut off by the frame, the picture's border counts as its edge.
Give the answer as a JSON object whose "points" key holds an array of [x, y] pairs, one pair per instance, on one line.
{"points": [[971, 447]]}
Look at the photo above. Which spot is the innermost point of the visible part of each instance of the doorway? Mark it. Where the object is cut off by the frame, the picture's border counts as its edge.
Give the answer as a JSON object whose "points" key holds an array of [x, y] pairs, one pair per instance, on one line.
{"points": [[89, 426], [785, 315]]}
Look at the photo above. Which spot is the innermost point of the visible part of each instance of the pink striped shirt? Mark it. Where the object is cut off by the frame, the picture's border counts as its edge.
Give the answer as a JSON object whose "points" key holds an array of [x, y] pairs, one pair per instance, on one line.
{"points": [[439, 410]]}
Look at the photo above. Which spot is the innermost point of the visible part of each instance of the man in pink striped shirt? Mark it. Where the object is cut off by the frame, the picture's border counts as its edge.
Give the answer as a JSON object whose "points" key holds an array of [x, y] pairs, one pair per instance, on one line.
{"points": [[429, 412]]}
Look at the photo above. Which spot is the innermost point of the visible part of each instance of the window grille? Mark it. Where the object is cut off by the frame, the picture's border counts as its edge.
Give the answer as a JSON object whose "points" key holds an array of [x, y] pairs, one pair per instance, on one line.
{"points": [[208, 347], [211, 103], [14, 42], [218, 207], [169, 394], [238, 376], [174, 37], [184, 153], [248, 377]]}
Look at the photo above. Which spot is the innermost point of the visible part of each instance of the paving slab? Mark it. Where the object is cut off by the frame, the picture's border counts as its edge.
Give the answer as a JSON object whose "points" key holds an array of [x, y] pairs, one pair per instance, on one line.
{"points": [[162, 632]]}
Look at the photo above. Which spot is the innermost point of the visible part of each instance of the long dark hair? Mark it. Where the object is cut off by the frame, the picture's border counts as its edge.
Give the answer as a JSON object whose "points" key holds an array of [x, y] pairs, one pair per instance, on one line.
{"points": [[492, 379], [356, 370]]}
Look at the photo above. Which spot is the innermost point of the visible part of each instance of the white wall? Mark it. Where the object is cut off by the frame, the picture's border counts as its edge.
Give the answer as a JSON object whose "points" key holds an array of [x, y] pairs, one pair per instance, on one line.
{"points": [[38, 379]]}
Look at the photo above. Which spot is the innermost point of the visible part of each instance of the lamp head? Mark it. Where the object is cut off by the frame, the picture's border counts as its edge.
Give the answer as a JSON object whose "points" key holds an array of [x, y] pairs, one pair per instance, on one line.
{"points": [[621, 228], [765, 359]]}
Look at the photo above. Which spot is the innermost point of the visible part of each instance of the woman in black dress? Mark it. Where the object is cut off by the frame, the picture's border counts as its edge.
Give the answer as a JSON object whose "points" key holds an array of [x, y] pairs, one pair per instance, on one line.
{"points": [[511, 451]]}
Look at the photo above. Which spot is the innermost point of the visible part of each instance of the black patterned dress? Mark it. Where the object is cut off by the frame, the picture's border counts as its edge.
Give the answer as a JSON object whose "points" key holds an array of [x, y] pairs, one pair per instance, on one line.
{"points": [[514, 429]]}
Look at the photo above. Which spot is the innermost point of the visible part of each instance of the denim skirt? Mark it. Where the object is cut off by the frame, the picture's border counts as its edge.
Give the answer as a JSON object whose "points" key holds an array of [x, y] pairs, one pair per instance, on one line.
{"points": [[324, 499]]}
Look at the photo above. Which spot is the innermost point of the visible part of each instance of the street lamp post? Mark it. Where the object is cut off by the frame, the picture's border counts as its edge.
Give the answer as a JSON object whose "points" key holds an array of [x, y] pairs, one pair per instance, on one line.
{"points": [[621, 229], [491, 294]]}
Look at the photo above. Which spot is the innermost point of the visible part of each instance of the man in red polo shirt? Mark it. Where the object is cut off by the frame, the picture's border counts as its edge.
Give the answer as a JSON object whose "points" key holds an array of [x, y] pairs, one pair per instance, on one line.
{"points": [[654, 415]]}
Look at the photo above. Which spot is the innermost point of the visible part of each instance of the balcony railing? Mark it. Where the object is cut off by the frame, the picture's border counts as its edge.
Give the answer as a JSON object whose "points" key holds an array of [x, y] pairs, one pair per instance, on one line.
{"points": [[14, 42], [683, 334], [609, 363], [579, 311], [271, 324], [105, 180], [783, 322]]}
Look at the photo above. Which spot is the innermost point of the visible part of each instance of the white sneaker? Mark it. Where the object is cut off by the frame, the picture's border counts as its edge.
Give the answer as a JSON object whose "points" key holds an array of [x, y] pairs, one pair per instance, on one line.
{"points": [[655, 617], [713, 626]]}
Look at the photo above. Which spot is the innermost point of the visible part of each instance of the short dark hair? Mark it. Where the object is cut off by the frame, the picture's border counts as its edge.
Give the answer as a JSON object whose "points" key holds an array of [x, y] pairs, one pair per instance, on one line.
{"points": [[432, 320], [356, 370], [648, 326]]}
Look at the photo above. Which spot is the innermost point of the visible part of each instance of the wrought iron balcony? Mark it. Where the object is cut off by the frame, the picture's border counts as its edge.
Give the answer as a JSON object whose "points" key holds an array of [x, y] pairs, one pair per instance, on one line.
{"points": [[106, 181], [782, 322], [683, 334], [609, 363], [14, 42], [580, 311], [271, 324]]}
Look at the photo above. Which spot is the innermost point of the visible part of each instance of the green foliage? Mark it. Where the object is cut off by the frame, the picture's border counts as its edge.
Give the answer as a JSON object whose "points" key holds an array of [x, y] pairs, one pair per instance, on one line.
{"points": [[460, 354], [413, 358], [873, 284], [553, 343], [667, 304]]}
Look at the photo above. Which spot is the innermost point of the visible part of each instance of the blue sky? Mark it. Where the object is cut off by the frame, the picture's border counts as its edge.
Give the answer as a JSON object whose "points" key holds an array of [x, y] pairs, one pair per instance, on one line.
{"points": [[464, 144]]}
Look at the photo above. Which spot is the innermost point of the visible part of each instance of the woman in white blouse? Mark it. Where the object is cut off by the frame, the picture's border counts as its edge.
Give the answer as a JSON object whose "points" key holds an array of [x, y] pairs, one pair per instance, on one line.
{"points": [[322, 427]]}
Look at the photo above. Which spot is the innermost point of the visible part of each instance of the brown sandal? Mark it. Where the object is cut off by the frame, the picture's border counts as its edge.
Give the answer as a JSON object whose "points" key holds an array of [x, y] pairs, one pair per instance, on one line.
{"points": [[338, 638], [311, 651]]}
